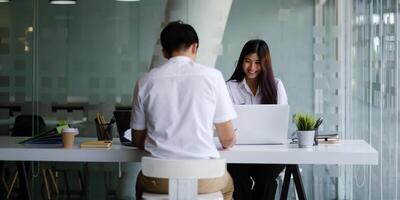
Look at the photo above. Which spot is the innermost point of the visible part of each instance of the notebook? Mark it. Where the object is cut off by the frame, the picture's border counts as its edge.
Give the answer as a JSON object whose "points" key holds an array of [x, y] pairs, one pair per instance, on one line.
{"points": [[96, 144]]}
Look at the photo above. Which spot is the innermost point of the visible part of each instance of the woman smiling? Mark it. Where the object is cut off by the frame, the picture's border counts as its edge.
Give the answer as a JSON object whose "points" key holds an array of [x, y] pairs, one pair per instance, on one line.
{"points": [[253, 82]]}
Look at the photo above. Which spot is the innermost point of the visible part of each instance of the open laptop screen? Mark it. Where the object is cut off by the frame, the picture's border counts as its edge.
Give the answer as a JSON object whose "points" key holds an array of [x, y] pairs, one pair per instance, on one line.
{"points": [[122, 118]]}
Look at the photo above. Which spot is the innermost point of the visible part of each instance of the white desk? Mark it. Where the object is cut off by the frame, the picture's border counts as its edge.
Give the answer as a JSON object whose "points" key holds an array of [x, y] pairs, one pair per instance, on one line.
{"points": [[349, 152], [12, 151], [352, 152]]}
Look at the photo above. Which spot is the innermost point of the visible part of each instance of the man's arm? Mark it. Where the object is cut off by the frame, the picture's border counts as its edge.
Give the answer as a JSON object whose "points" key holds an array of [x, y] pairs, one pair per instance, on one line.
{"points": [[226, 134], [138, 137], [138, 119]]}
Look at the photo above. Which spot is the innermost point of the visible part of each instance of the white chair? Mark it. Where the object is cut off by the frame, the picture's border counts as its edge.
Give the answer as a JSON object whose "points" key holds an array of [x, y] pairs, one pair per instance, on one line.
{"points": [[182, 177]]}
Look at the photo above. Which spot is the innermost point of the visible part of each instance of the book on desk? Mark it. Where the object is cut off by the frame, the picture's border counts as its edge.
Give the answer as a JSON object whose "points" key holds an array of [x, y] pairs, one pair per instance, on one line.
{"points": [[323, 138], [328, 139], [96, 144]]}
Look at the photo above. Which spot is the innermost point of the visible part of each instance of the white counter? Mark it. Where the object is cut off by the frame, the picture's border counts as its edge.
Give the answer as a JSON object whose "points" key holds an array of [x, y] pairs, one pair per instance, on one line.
{"points": [[352, 152]]}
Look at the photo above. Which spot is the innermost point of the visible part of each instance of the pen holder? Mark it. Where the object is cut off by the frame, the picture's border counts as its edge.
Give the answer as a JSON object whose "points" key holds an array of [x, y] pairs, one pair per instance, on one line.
{"points": [[104, 131], [316, 137]]}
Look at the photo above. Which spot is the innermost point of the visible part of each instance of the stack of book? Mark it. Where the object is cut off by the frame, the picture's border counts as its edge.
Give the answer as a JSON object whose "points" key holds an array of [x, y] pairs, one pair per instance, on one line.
{"points": [[328, 138]]}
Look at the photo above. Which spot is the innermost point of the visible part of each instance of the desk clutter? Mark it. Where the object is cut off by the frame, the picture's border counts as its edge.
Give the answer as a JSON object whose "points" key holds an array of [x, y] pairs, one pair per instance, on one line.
{"points": [[64, 136], [308, 133], [323, 138], [103, 128], [49, 139], [104, 134]]}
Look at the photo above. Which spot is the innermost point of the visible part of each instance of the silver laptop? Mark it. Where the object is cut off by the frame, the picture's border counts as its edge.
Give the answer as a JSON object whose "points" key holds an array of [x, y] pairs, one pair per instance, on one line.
{"points": [[261, 124]]}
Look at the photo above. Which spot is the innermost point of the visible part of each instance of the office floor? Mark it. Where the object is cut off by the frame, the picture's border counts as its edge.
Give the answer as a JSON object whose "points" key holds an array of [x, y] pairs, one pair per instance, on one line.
{"points": [[102, 182]]}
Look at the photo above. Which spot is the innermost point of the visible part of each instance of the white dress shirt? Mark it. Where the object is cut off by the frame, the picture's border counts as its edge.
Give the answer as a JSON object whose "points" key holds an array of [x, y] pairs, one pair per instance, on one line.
{"points": [[240, 93], [178, 103]]}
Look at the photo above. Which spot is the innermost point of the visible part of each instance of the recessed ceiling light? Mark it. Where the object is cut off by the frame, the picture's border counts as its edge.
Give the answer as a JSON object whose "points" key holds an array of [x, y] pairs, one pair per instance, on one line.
{"points": [[4, 1], [63, 2]]}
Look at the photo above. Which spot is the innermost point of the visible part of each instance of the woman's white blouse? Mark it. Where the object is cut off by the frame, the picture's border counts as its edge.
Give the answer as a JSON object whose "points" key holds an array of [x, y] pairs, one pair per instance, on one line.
{"points": [[241, 94]]}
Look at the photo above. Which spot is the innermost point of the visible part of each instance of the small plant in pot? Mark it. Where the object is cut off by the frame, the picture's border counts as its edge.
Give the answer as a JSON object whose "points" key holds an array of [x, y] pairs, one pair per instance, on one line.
{"points": [[305, 124]]}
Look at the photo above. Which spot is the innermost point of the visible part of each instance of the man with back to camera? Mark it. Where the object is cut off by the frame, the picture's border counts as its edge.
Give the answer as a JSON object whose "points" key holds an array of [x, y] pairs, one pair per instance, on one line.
{"points": [[175, 106]]}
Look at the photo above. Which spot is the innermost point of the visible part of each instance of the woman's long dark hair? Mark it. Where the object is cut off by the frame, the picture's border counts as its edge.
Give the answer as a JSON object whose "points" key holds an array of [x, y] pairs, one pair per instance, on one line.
{"points": [[266, 79]]}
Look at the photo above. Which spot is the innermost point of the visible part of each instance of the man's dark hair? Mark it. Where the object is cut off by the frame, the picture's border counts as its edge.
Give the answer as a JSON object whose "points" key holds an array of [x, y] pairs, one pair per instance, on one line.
{"points": [[177, 36]]}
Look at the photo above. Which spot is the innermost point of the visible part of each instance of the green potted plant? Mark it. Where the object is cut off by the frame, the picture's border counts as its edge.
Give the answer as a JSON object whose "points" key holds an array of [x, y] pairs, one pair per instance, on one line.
{"points": [[305, 124]]}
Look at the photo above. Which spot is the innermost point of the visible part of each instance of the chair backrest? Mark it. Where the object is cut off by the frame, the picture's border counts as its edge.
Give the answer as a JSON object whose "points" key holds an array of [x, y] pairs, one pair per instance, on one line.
{"points": [[183, 169], [26, 125]]}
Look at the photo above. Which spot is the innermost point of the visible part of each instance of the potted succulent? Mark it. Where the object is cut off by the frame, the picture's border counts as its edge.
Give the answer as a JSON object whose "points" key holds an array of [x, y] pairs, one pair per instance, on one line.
{"points": [[306, 126]]}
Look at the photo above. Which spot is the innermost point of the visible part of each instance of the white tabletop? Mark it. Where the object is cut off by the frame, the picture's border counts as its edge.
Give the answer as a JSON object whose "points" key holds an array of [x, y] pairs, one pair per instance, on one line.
{"points": [[347, 152], [351, 152]]}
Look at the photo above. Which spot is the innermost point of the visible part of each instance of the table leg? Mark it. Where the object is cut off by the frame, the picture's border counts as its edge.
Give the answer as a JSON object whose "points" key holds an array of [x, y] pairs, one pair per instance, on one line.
{"points": [[86, 180], [289, 171], [1, 168], [286, 183], [23, 178], [67, 189], [298, 182], [2, 178]]}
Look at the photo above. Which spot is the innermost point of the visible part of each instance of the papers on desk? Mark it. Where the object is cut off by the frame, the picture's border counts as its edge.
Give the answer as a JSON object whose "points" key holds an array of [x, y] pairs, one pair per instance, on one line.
{"points": [[49, 139]]}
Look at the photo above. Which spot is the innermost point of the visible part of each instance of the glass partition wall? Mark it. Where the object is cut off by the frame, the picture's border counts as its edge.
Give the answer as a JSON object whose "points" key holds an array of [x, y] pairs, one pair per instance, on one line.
{"points": [[90, 55], [16, 61], [365, 54], [336, 58], [373, 96], [65, 63]]}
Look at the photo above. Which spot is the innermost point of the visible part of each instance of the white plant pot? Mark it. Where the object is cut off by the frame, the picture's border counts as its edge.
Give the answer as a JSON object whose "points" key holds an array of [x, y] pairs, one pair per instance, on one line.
{"points": [[305, 138]]}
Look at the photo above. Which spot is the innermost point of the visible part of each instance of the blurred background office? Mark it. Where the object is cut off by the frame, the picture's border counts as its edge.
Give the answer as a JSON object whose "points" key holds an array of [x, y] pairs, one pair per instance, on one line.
{"points": [[337, 59]]}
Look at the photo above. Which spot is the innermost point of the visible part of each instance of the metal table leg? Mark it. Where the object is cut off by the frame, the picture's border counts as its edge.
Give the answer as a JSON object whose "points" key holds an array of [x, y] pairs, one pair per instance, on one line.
{"points": [[24, 181], [293, 170]]}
